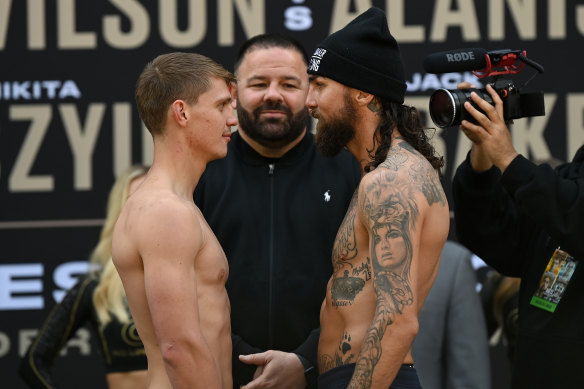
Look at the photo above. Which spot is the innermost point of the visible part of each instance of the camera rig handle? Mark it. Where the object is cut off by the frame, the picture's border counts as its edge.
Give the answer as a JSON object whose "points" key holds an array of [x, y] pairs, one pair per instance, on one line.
{"points": [[506, 62]]}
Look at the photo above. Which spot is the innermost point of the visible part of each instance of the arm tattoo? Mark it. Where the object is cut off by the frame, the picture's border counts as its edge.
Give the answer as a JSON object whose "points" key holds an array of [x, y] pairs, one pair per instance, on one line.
{"points": [[428, 183], [391, 212], [423, 177]]}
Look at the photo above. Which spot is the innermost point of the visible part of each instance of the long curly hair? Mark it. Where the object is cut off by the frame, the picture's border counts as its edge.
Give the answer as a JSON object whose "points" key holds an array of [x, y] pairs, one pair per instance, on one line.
{"points": [[407, 120]]}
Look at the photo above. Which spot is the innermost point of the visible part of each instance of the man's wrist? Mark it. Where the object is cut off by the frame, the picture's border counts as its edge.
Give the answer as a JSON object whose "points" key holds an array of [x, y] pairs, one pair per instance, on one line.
{"points": [[478, 159], [310, 371]]}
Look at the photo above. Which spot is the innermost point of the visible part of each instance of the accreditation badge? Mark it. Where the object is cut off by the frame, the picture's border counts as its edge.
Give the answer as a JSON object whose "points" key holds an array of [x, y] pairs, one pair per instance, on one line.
{"points": [[554, 281]]}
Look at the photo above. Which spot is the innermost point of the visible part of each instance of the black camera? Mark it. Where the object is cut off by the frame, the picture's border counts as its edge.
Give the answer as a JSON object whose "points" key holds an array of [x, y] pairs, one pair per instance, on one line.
{"points": [[447, 106]]}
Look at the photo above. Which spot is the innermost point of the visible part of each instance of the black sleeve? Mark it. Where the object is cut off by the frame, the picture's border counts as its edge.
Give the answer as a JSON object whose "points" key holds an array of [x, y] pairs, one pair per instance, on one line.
{"points": [[497, 215], [61, 324], [487, 221], [309, 351], [242, 373], [553, 198]]}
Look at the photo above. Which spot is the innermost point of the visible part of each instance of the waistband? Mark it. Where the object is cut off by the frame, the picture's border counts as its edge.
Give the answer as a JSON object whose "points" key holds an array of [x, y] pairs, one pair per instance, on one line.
{"points": [[340, 376]]}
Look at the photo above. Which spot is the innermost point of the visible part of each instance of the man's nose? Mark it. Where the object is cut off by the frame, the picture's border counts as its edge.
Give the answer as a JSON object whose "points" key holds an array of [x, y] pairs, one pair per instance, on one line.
{"points": [[273, 93], [310, 101]]}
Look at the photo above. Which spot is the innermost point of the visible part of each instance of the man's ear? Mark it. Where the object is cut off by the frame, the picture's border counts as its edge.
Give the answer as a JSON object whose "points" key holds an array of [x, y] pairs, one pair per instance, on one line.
{"points": [[179, 112], [363, 98]]}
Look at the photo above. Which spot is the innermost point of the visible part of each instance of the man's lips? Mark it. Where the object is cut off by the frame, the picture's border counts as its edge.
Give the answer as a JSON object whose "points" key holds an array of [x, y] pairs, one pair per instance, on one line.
{"points": [[273, 113]]}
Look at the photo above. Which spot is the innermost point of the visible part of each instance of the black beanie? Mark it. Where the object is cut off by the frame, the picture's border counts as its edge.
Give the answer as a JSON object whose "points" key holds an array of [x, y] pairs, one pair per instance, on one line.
{"points": [[363, 55]]}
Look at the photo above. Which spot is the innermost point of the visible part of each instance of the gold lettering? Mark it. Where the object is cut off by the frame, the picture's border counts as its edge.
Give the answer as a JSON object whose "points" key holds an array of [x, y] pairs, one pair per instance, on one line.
{"points": [[396, 15], [252, 15], [341, 14], [523, 13], [82, 140], [20, 179], [68, 37], [465, 17], [579, 15], [496, 20], [557, 19], [37, 35], [139, 21], [122, 136], [575, 123], [196, 26], [5, 6]]}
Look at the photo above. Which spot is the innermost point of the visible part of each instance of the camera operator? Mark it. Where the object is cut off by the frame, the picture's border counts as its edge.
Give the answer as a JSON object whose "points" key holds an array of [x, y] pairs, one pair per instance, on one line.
{"points": [[526, 220]]}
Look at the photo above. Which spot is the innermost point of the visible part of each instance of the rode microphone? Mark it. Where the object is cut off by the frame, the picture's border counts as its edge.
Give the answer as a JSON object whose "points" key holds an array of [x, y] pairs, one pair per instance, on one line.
{"points": [[456, 61], [481, 62], [447, 106]]}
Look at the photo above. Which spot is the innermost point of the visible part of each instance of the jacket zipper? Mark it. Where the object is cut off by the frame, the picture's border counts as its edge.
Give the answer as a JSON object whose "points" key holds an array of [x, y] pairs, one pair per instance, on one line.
{"points": [[271, 167]]}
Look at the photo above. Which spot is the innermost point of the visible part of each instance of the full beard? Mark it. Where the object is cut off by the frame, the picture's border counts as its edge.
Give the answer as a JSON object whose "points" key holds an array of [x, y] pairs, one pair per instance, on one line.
{"points": [[333, 134], [272, 133]]}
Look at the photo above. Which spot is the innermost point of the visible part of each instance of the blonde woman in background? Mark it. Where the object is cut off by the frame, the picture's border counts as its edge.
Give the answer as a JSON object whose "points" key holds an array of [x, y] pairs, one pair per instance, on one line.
{"points": [[98, 299]]}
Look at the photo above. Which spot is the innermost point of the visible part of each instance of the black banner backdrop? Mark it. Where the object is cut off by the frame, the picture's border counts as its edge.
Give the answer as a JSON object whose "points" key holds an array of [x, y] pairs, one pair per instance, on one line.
{"points": [[68, 123]]}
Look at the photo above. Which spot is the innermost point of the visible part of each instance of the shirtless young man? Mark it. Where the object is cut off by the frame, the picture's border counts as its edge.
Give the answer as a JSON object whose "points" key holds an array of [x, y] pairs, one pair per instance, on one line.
{"points": [[386, 254], [172, 266]]}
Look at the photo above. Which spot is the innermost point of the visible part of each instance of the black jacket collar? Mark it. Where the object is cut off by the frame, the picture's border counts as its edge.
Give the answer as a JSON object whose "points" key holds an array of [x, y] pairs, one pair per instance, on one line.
{"points": [[250, 156]]}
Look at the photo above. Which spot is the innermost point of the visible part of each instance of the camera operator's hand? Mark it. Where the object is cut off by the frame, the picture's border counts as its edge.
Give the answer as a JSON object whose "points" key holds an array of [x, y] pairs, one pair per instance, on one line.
{"points": [[491, 138]]}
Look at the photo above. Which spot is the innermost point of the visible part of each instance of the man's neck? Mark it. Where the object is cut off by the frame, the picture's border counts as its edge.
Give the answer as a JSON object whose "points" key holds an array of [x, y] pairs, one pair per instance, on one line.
{"points": [[178, 165], [362, 147], [270, 152]]}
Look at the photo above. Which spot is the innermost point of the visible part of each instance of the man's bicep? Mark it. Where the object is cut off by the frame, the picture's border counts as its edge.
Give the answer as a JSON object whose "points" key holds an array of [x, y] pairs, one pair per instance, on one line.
{"points": [[388, 209], [169, 276]]}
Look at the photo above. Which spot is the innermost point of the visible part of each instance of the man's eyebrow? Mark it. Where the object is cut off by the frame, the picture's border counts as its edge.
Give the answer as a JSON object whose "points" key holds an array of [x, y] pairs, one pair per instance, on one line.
{"points": [[263, 78], [312, 77], [292, 78], [224, 99]]}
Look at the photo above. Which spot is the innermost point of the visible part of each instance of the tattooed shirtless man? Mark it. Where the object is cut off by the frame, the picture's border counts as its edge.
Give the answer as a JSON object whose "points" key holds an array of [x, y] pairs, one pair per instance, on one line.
{"points": [[386, 254]]}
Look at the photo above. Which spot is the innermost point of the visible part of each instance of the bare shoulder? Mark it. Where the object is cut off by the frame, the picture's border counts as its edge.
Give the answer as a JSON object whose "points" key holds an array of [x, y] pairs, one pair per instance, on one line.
{"points": [[411, 171], [162, 218], [404, 185]]}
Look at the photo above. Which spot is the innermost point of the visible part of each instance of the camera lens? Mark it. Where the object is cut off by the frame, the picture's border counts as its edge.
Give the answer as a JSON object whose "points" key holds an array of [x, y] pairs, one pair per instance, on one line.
{"points": [[443, 108], [447, 106]]}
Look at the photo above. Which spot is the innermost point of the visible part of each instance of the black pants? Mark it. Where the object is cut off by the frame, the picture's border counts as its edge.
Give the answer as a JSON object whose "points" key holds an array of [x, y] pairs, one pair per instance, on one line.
{"points": [[339, 378]]}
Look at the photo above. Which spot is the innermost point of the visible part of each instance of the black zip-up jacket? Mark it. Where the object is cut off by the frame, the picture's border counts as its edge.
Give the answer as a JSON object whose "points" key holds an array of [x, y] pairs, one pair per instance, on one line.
{"points": [[514, 221], [276, 221]]}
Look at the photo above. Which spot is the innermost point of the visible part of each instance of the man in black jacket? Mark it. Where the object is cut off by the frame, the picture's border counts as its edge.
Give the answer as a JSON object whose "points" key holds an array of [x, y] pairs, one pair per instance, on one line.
{"points": [[275, 204], [520, 217]]}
